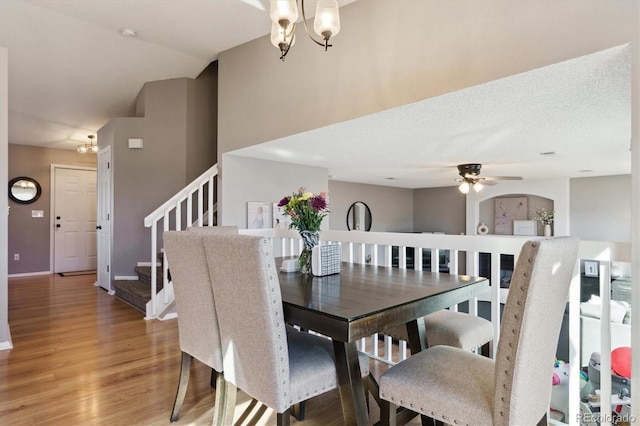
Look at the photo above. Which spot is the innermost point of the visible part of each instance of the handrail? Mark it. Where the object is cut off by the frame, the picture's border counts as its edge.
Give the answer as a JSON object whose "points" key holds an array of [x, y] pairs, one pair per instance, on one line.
{"points": [[173, 209], [193, 186]]}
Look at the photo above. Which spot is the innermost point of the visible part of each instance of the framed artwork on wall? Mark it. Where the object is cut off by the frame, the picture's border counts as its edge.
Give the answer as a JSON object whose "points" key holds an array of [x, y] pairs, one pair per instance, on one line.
{"points": [[525, 227], [280, 220], [590, 268], [258, 215], [506, 211]]}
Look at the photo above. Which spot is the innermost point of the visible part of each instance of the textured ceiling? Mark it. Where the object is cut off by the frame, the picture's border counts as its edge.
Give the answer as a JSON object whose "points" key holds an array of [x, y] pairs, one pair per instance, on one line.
{"points": [[578, 109]]}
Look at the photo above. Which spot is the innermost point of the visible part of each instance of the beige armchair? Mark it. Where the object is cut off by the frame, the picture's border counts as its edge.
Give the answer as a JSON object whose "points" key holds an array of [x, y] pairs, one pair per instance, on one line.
{"points": [[457, 387]]}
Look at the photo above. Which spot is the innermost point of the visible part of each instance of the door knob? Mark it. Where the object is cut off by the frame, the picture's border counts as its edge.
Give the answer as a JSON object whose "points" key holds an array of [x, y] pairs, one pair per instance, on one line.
{"points": [[99, 227], [57, 225], [58, 217]]}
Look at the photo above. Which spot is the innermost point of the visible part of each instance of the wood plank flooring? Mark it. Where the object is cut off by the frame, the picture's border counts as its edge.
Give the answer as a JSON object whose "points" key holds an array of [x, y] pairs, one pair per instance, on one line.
{"points": [[82, 357]]}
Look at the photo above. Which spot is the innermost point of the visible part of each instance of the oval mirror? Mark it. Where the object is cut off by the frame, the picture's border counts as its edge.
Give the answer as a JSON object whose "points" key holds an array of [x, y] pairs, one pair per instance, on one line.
{"points": [[359, 217], [24, 190]]}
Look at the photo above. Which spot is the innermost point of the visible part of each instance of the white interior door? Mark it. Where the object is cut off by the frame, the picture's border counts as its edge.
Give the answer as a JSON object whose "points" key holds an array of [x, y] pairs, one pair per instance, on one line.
{"points": [[74, 220], [104, 219]]}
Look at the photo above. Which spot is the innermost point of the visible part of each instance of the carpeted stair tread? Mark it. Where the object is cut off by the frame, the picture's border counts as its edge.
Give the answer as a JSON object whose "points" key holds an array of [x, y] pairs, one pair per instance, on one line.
{"points": [[134, 293], [138, 292]]}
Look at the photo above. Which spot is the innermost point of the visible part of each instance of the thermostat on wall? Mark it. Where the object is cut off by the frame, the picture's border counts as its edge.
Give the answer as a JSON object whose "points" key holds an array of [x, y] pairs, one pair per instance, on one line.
{"points": [[135, 143]]}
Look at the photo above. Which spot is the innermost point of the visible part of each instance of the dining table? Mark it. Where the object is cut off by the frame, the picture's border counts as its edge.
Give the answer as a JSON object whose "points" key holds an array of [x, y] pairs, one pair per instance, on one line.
{"points": [[363, 300]]}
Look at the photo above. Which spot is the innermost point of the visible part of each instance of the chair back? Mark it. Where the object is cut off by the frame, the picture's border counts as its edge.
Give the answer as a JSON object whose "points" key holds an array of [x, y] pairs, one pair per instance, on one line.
{"points": [[197, 318], [214, 230], [530, 328], [247, 292]]}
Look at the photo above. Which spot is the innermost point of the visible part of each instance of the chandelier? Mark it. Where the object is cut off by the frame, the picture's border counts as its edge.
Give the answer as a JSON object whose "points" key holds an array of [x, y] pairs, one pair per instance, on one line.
{"points": [[284, 15], [89, 148]]}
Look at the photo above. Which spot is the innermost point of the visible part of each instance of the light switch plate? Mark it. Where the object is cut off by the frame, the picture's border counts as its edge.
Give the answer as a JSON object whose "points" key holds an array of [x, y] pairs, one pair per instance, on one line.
{"points": [[37, 213], [135, 143]]}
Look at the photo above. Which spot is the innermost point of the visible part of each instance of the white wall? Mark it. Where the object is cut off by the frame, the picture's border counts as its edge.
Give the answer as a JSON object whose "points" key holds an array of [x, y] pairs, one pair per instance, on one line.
{"points": [[600, 208], [391, 208], [5, 338], [250, 179]]}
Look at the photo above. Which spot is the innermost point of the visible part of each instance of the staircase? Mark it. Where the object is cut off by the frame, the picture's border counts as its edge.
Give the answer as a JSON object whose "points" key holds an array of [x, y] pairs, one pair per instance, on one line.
{"points": [[194, 205], [137, 293]]}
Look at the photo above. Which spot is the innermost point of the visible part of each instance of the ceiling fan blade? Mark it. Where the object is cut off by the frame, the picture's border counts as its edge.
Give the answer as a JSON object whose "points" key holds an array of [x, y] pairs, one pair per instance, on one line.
{"points": [[489, 183], [503, 178]]}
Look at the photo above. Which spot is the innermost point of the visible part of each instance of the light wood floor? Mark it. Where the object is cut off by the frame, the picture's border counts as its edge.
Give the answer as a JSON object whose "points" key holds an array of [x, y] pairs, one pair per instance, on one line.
{"points": [[82, 357]]}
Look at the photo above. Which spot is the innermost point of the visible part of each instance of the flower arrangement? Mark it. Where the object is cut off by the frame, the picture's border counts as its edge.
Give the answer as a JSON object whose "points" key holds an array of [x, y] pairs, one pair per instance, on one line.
{"points": [[305, 209], [543, 216]]}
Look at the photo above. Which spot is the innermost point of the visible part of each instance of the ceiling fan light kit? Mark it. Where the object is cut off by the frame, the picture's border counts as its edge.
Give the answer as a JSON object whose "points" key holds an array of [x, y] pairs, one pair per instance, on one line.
{"points": [[284, 15], [470, 178]]}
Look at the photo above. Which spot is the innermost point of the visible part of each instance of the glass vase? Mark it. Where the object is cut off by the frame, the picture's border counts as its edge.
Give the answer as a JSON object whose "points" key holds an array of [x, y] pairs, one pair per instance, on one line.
{"points": [[310, 240]]}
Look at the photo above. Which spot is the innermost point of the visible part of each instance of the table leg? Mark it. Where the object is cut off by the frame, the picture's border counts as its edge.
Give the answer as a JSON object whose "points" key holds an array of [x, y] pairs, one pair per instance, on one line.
{"points": [[417, 335], [352, 392]]}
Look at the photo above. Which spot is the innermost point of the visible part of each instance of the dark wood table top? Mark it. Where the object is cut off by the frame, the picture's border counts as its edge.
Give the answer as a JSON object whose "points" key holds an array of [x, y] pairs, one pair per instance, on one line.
{"points": [[365, 299]]}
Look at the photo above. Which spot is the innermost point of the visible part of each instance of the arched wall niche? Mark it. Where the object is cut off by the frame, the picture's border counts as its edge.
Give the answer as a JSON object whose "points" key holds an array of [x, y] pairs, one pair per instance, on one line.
{"points": [[548, 193]]}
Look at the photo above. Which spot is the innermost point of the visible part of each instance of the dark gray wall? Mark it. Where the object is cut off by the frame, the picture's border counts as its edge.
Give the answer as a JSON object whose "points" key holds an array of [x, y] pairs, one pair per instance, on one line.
{"points": [[28, 236]]}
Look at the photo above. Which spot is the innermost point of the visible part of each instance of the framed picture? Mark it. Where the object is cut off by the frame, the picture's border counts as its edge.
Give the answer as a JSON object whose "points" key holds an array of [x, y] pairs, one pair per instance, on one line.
{"points": [[590, 268], [280, 220], [506, 211], [524, 227], [258, 215]]}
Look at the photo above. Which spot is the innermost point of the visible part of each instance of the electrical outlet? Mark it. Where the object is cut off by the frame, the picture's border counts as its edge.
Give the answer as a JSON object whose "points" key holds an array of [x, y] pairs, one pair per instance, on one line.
{"points": [[16, 256]]}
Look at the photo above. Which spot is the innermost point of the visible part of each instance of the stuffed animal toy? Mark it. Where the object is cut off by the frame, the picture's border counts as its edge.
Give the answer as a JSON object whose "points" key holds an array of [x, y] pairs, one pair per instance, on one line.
{"points": [[560, 389]]}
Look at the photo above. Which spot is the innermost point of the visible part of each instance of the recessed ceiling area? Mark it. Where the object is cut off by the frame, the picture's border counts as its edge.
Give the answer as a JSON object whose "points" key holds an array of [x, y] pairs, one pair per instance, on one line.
{"points": [[571, 119]]}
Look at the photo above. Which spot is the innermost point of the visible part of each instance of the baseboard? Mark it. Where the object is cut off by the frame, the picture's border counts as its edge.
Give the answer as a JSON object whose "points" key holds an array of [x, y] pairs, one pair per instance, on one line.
{"points": [[126, 278], [146, 264], [29, 274], [6, 344]]}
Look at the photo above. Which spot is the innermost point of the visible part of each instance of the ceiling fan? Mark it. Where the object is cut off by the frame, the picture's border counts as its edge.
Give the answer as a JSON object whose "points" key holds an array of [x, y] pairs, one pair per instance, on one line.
{"points": [[470, 177]]}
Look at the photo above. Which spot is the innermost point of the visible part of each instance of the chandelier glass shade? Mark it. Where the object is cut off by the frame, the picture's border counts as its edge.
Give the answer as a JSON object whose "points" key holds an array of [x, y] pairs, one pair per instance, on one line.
{"points": [[88, 148], [284, 15]]}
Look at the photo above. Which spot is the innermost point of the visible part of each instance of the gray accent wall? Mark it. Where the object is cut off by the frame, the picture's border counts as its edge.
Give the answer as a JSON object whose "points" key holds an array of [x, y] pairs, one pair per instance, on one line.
{"points": [[179, 143], [439, 210], [28, 236], [391, 208]]}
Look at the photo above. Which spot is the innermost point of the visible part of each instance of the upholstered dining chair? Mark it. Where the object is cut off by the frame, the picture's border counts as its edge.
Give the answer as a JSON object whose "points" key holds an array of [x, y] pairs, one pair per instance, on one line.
{"points": [[197, 320], [451, 328], [277, 368], [454, 386]]}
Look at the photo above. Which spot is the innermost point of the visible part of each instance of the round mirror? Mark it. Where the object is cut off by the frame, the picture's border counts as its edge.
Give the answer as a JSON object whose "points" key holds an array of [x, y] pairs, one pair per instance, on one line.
{"points": [[24, 190], [359, 217]]}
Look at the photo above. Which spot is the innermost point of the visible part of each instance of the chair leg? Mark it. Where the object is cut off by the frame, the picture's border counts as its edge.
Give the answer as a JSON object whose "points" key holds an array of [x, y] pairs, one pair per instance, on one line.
{"points": [[297, 411], [284, 418], [182, 386], [225, 401], [387, 413], [214, 378]]}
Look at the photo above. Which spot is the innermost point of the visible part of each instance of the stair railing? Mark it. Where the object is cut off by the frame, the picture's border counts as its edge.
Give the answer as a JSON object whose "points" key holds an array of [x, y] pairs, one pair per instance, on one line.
{"points": [[179, 212]]}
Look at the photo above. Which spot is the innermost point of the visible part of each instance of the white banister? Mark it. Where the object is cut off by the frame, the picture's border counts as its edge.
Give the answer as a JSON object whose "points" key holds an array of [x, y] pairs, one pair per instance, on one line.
{"points": [[173, 208]]}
